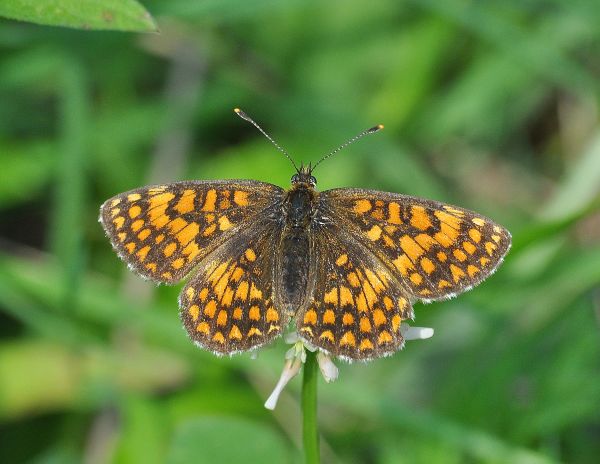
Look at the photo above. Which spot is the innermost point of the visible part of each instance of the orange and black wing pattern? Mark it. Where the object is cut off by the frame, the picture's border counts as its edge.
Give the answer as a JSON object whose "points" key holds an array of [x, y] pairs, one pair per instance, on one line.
{"points": [[357, 305], [163, 231], [228, 306], [435, 250]]}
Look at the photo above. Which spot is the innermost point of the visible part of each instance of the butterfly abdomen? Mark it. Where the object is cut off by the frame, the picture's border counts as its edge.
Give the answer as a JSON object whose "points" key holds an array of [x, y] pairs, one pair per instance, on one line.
{"points": [[293, 265]]}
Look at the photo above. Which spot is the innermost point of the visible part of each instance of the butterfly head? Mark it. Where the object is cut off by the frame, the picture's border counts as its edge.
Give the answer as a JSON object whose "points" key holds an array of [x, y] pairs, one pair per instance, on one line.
{"points": [[304, 176]]}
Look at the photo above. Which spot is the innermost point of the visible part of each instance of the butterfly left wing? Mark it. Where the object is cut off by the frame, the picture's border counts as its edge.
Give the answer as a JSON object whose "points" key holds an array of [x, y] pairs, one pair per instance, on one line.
{"points": [[357, 305], [163, 231], [228, 306], [435, 250]]}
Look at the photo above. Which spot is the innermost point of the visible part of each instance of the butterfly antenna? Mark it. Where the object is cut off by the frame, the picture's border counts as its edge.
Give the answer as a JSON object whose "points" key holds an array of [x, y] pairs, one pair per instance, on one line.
{"points": [[244, 116], [370, 131]]}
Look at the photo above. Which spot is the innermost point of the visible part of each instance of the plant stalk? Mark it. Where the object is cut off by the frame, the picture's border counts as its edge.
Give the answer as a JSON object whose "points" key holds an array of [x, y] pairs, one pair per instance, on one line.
{"points": [[310, 431]]}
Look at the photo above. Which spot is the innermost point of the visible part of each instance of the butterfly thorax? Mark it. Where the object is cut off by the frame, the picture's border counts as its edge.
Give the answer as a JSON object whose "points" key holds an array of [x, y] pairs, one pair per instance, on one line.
{"points": [[296, 249], [299, 206]]}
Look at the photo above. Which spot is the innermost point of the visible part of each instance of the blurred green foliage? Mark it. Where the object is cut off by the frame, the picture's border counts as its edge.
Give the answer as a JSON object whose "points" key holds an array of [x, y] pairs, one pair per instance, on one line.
{"points": [[490, 105]]}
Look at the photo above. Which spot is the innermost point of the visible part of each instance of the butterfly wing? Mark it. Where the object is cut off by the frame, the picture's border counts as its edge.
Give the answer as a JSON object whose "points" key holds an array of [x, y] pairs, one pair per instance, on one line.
{"points": [[163, 231], [435, 250], [228, 306], [357, 304]]}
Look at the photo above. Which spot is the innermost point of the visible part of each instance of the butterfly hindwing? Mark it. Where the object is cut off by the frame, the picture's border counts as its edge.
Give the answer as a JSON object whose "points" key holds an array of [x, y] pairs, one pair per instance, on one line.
{"points": [[357, 305], [163, 231], [436, 250], [228, 306]]}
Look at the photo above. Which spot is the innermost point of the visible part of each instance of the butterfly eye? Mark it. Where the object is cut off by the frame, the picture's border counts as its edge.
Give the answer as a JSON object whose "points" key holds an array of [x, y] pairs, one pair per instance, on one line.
{"points": [[313, 180], [295, 178]]}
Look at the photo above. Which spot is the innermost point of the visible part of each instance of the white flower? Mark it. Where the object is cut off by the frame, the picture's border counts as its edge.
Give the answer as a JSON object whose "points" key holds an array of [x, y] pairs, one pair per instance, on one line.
{"points": [[328, 369], [294, 358], [415, 333], [290, 369]]}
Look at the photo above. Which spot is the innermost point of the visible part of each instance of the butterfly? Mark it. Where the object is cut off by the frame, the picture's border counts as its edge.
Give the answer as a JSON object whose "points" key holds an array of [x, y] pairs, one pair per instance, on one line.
{"points": [[344, 265]]}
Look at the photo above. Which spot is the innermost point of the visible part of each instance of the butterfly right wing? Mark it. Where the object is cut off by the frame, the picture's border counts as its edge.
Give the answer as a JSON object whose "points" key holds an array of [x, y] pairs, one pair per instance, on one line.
{"points": [[435, 250]]}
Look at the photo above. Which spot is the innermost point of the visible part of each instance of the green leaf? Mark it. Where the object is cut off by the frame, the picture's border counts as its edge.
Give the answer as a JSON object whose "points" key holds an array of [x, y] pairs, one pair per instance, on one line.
{"points": [[123, 15], [224, 439]]}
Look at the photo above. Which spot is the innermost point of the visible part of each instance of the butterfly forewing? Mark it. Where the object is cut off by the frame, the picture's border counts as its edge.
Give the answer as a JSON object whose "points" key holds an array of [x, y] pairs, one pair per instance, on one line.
{"points": [[163, 231], [434, 249]]}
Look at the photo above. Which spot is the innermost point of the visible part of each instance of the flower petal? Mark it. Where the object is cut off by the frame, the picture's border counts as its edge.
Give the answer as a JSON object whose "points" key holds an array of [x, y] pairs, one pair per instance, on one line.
{"points": [[328, 369], [415, 333], [290, 370]]}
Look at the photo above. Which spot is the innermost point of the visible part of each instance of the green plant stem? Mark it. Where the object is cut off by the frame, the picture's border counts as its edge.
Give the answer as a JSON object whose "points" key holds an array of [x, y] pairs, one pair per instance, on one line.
{"points": [[69, 212], [310, 431]]}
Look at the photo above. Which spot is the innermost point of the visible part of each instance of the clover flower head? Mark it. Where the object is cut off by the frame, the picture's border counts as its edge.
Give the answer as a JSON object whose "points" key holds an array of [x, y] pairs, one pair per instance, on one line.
{"points": [[295, 357]]}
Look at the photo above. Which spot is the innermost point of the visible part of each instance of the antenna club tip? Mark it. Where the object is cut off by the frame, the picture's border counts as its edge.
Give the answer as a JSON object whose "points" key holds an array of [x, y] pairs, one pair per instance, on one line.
{"points": [[243, 115], [374, 129]]}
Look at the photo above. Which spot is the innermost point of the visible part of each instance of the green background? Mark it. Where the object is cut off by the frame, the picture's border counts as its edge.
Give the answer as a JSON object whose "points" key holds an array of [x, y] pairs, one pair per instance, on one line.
{"points": [[491, 105]]}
